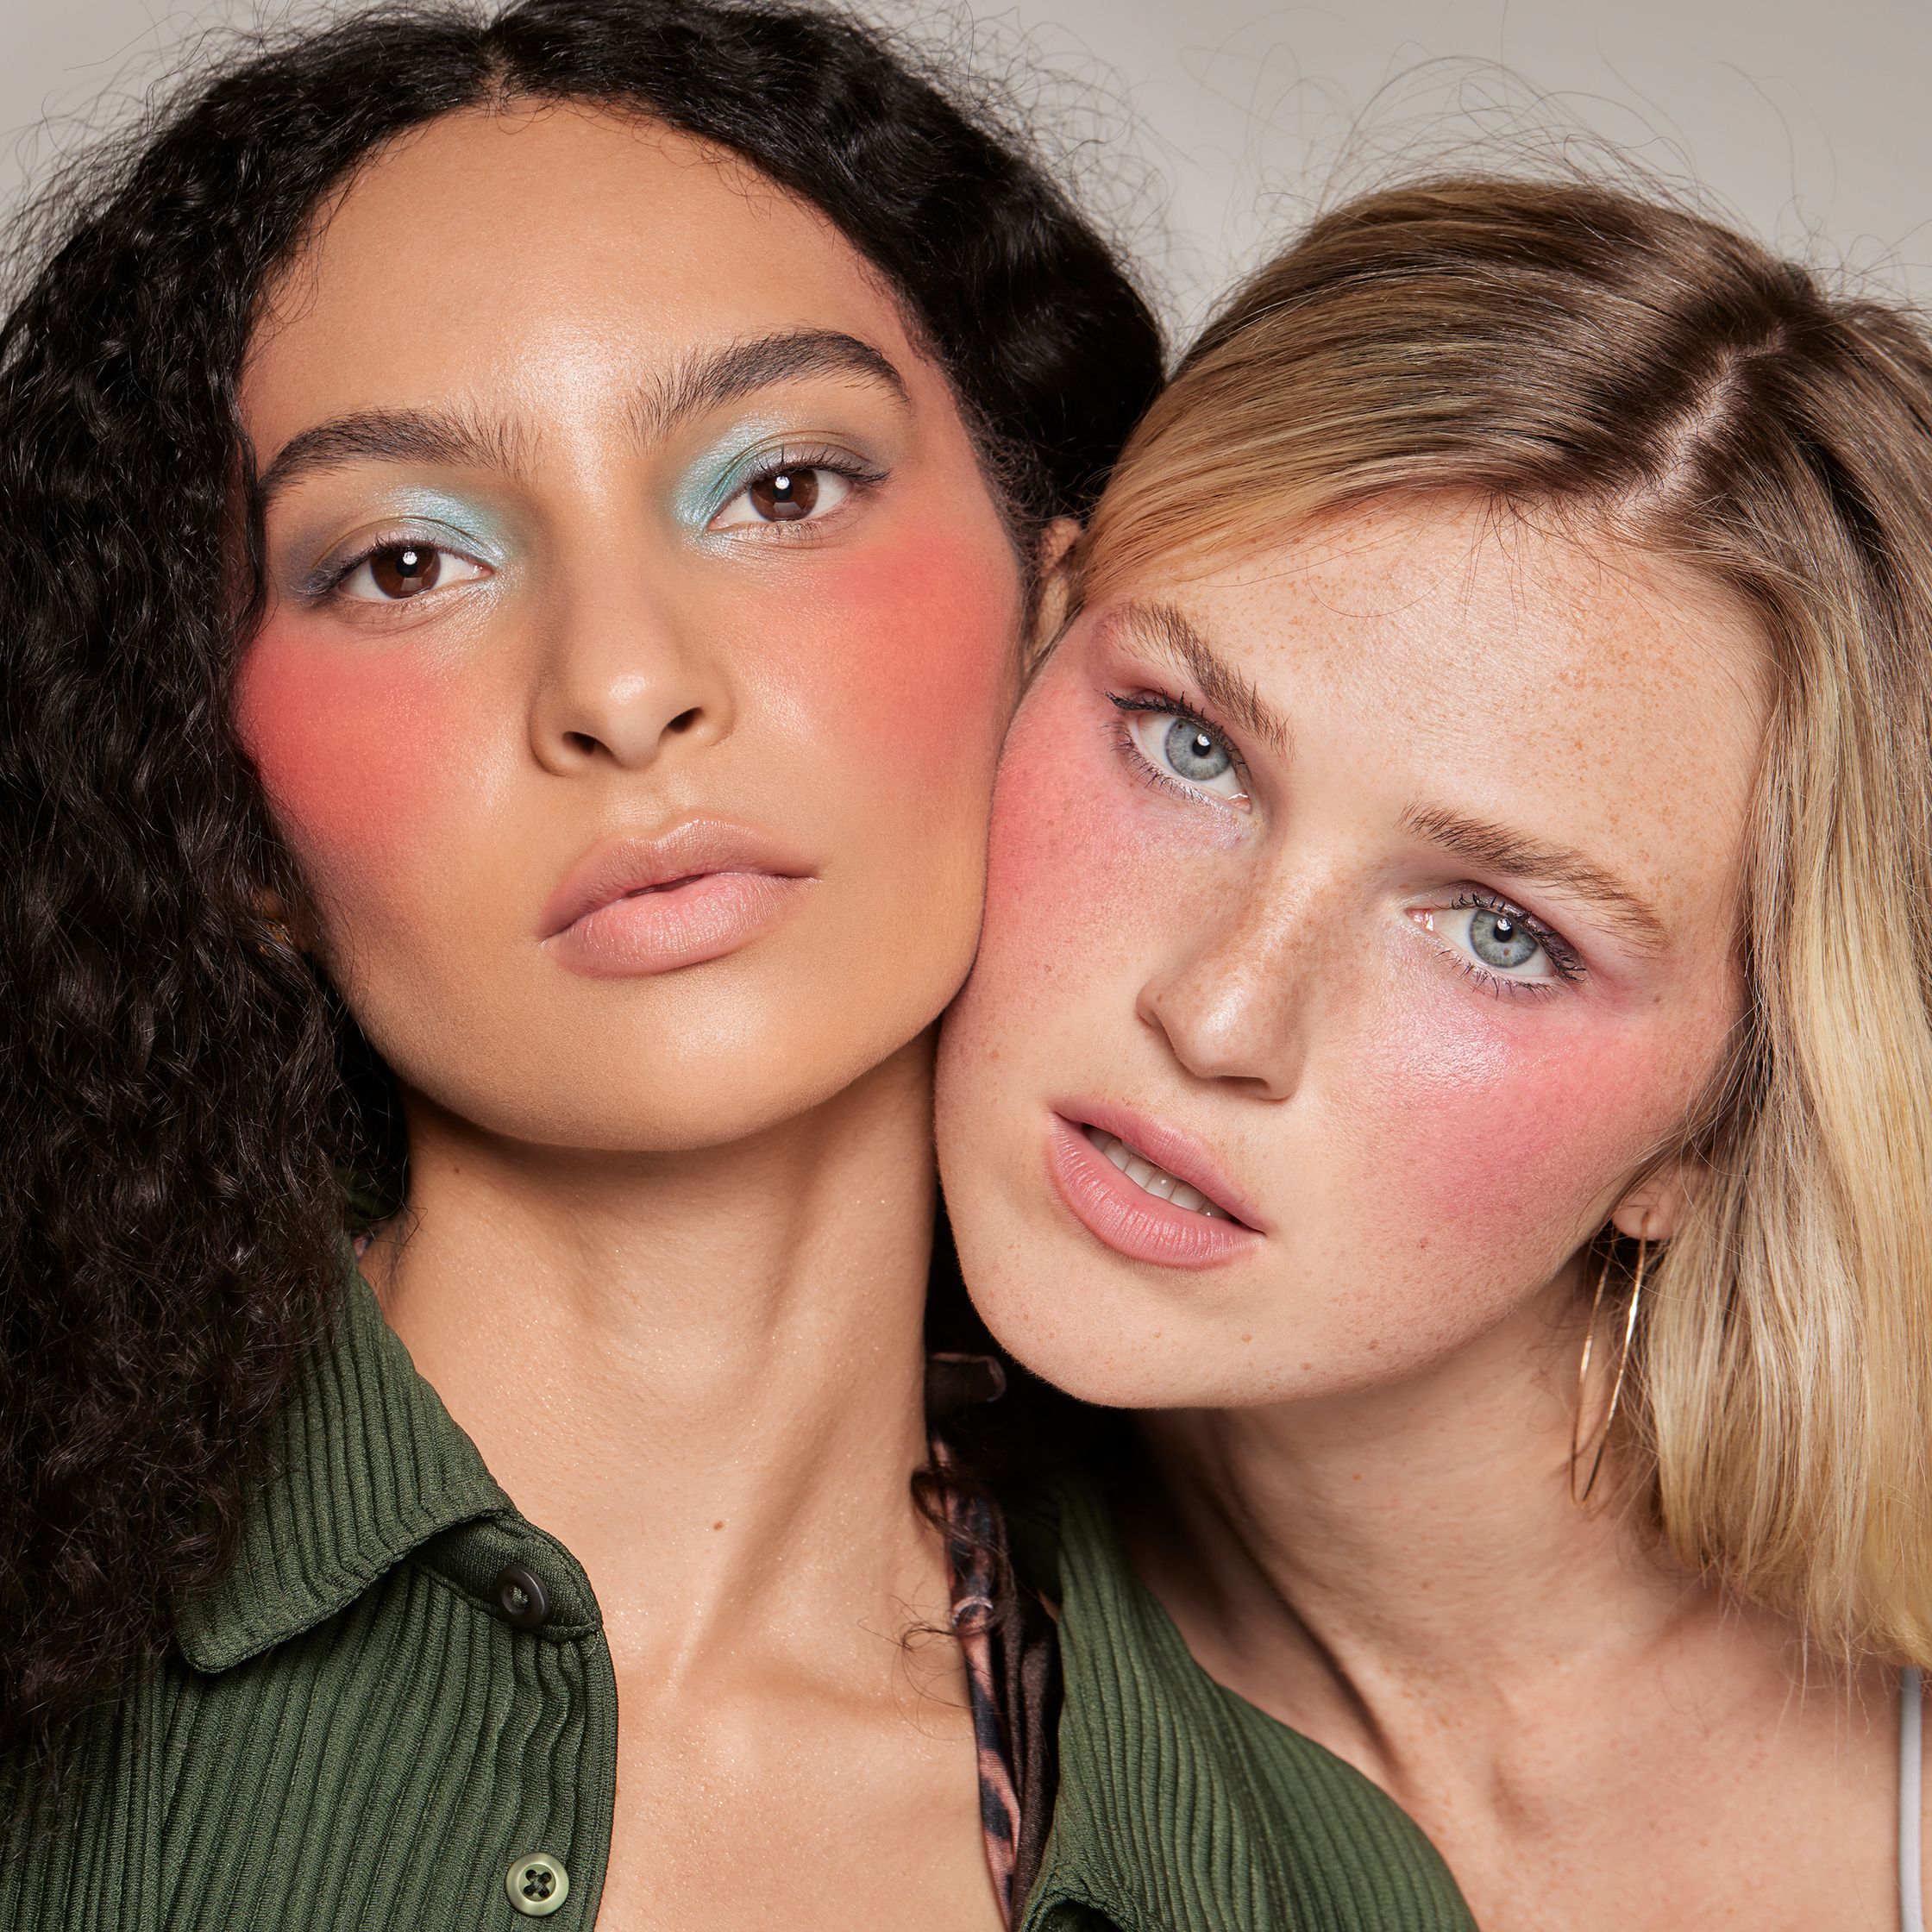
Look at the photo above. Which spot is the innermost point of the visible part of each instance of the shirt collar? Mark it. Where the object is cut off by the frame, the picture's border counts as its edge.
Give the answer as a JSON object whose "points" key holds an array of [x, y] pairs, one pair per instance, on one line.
{"points": [[363, 1466], [1181, 1804]]}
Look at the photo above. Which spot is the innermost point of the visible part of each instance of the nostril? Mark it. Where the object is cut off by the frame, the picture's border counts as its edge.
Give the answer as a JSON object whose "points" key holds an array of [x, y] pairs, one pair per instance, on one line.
{"points": [[684, 720], [582, 742]]}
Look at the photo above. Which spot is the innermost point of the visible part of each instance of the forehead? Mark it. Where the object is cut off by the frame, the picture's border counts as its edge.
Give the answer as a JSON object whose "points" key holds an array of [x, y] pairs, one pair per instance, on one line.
{"points": [[534, 247], [1444, 651]]}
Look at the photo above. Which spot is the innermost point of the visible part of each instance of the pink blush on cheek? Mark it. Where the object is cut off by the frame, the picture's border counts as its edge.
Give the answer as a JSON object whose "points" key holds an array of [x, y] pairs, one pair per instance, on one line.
{"points": [[1507, 1132], [1073, 868], [352, 750], [919, 641]]}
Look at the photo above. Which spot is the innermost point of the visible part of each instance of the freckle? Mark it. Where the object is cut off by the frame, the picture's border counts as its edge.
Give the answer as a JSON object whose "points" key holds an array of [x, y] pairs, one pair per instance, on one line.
{"points": [[1306, 1366], [1247, 1337], [1373, 1347], [718, 1526]]}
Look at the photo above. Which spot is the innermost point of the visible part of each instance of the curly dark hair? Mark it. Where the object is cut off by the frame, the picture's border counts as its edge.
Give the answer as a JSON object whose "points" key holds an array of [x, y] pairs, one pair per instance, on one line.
{"points": [[179, 1092]]}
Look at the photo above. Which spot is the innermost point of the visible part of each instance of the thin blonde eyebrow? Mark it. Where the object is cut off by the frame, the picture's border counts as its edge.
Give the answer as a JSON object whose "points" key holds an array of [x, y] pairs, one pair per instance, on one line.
{"points": [[1163, 631], [1515, 855]]}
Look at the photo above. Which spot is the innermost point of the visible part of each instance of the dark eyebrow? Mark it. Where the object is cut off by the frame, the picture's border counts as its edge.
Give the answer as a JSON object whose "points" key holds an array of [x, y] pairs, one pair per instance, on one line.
{"points": [[718, 376], [704, 382], [389, 435], [1166, 632], [1497, 848]]}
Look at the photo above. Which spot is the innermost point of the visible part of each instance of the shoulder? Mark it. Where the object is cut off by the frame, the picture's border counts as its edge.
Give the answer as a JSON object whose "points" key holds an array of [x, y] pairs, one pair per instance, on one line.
{"points": [[1180, 1803], [356, 1680]]}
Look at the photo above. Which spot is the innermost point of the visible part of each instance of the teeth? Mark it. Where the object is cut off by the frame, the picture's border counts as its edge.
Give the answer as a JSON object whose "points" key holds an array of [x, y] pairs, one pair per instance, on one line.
{"points": [[1156, 1180]]}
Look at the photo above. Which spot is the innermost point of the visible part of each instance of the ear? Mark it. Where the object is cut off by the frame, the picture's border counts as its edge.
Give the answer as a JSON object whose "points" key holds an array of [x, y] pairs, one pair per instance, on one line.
{"points": [[1053, 597], [1655, 1209], [274, 912]]}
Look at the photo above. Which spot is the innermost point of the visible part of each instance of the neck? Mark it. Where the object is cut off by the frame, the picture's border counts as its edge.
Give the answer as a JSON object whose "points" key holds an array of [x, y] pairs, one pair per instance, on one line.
{"points": [[702, 1371], [1359, 1564]]}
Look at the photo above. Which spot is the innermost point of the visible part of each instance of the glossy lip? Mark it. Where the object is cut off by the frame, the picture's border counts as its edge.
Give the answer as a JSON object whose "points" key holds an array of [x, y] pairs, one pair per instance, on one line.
{"points": [[1127, 1219], [633, 906]]}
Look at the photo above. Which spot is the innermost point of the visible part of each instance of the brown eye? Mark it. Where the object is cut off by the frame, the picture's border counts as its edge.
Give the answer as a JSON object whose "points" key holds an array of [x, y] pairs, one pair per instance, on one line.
{"points": [[405, 569], [784, 491], [786, 495]]}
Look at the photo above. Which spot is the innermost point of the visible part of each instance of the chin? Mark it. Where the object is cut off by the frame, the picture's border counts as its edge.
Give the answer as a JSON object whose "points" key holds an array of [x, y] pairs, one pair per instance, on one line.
{"points": [[645, 1090], [1095, 1331]]}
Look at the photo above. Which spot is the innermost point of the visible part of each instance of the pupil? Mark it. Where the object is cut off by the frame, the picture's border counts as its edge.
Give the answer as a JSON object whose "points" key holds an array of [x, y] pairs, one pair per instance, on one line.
{"points": [[1498, 940], [1196, 755], [405, 569], [785, 497]]}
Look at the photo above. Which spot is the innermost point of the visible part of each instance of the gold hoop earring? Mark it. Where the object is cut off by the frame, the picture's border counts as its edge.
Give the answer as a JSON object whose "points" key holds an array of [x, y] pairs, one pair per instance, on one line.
{"points": [[1577, 1449]]}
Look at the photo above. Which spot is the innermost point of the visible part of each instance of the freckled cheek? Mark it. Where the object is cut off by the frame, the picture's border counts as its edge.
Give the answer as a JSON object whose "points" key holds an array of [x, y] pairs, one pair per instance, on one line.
{"points": [[1503, 1133], [361, 755], [1074, 888]]}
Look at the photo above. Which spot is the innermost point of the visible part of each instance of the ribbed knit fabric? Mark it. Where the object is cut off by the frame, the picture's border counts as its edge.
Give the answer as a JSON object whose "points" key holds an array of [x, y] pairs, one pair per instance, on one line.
{"points": [[1181, 1807], [353, 1733]]}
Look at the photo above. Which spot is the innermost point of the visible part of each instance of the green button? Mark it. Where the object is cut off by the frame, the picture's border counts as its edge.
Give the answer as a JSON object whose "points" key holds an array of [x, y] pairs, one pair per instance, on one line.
{"points": [[537, 1884]]}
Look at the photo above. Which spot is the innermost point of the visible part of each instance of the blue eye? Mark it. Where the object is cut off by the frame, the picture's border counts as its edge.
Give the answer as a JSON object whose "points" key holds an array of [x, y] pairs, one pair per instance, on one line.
{"points": [[1500, 941], [1496, 943], [1194, 754], [1183, 752]]}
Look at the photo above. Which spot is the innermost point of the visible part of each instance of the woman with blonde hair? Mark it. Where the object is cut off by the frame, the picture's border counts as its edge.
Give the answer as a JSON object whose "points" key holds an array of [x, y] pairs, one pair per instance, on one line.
{"points": [[1451, 1042]]}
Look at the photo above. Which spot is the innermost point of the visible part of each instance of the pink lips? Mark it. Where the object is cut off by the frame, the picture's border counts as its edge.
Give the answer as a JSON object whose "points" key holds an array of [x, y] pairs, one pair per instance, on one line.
{"points": [[1126, 1217], [634, 906]]}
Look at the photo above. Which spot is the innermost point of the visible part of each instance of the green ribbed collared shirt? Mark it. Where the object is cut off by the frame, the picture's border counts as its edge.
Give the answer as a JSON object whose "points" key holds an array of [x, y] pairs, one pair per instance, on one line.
{"points": [[397, 1710]]}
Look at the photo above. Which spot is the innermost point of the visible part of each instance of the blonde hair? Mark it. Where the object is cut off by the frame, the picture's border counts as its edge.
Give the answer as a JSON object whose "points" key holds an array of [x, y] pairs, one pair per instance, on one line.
{"points": [[1573, 349]]}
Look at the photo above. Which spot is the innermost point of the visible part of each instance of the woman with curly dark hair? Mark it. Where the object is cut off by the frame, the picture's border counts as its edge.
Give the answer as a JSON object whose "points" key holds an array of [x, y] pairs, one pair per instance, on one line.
{"points": [[518, 535]]}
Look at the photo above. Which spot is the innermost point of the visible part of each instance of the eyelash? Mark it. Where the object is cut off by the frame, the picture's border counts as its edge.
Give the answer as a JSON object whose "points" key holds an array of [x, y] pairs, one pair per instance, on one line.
{"points": [[839, 462], [329, 578], [1163, 704], [1561, 955]]}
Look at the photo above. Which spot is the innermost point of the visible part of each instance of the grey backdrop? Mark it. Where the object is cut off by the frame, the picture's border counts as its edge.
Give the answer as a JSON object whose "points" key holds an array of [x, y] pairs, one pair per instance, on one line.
{"points": [[1205, 127]]}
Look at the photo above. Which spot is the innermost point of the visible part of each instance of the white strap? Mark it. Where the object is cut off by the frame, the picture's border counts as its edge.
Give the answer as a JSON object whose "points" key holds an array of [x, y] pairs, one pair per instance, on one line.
{"points": [[1911, 1893]]}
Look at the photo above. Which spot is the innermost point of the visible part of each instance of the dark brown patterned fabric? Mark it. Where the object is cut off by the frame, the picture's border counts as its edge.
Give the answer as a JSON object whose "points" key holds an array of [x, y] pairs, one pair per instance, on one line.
{"points": [[1013, 1659]]}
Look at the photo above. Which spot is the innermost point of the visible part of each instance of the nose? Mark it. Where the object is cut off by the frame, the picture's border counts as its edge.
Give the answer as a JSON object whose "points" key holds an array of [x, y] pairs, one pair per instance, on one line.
{"points": [[1234, 1001], [624, 676]]}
